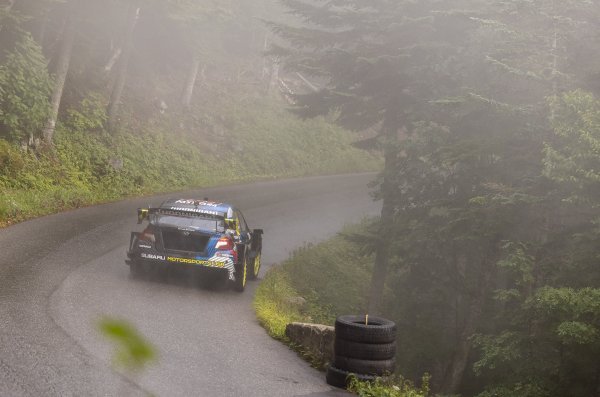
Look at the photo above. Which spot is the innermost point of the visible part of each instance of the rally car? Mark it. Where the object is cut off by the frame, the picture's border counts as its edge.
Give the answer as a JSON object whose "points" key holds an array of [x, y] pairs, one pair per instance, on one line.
{"points": [[200, 235]]}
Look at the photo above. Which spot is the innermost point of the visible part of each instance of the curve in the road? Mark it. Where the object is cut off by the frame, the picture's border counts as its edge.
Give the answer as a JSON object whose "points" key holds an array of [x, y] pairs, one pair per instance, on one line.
{"points": [[60, 274]]}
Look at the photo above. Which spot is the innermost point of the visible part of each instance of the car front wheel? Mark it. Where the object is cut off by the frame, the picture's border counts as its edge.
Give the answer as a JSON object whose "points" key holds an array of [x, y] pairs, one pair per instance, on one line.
{"points": [[256, 260]]}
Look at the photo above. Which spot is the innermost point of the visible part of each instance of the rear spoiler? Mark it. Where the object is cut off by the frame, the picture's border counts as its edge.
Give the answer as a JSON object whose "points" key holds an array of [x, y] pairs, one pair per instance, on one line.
{"points": [[144, 213]]}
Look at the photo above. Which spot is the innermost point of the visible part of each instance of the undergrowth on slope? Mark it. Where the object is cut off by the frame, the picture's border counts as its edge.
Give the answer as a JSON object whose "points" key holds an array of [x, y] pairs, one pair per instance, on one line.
{"points": [[317, 284], [226, 143], [391, 387]]}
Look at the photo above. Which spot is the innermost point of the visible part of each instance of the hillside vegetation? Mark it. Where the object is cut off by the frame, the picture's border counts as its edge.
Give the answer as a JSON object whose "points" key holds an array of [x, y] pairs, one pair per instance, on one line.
{"points": [[87, 165], [329, 277], [317, 284], [103, 100]]}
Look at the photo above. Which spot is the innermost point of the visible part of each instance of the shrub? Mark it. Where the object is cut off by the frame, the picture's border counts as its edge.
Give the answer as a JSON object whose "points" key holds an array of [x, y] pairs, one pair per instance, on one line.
{"points": [[25, 86]]}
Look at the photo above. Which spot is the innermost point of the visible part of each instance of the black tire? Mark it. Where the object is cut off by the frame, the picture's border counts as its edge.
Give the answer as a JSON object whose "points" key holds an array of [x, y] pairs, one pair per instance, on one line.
{"points": [[255, 262], [364, 351], [241, 275], [365, 367], [339, 378], [353, 328]]}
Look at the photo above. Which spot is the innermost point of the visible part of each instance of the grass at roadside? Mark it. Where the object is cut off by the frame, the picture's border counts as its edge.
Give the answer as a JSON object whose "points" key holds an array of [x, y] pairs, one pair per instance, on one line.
{"points": [[315, 285], [318, 283]]}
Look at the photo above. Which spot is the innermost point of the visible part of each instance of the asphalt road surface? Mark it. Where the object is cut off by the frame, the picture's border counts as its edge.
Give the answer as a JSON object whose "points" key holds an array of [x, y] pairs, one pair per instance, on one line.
{"points": [[60, 274]]}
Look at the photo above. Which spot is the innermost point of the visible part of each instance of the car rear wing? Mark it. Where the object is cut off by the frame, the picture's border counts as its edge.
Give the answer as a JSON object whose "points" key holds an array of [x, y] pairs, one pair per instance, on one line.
{"points": [[144, 213]]}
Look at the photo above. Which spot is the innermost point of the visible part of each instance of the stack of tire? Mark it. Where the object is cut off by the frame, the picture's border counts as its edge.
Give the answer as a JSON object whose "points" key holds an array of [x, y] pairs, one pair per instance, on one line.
{"points": [[363, 346]]}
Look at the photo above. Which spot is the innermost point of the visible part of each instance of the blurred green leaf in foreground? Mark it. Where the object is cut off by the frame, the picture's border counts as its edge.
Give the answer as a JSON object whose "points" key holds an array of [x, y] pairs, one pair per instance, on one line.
{"points": [[132, 351]]}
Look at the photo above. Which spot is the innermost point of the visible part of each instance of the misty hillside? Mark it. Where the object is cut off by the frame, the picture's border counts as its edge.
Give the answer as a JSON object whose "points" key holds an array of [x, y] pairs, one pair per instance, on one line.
{"points": [[101, 100], [483, 117]]}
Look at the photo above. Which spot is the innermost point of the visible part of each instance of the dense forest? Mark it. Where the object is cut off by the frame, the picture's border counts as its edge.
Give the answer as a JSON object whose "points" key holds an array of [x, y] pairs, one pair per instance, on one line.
{"points": [[487, 251], [104, 99], [66, 50], [487, 113]]}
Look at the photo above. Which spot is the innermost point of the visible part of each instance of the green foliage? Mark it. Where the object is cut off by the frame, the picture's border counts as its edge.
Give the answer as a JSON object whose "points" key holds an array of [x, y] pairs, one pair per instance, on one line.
{"points": [[575, 332], [569, 301], [274, 305], [496, 350], [90, 115], [575, 314], [11, 161], [24, 90], [517, 390], [573, 157], [88, 165], [132, 351], [330, 278], [392, 387]]}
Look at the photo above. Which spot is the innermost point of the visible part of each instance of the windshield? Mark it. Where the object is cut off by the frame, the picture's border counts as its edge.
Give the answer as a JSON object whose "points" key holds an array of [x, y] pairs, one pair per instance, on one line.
{"points": [[206, 224]]}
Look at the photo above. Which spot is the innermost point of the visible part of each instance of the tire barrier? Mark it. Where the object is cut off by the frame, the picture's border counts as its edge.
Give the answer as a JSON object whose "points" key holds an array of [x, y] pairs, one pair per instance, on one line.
{"points": [[365, 351], [363, 346], [339, 378]]}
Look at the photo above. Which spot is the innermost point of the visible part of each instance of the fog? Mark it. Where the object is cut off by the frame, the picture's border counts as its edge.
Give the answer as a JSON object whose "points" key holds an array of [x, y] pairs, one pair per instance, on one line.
{"points": [[481, 117]]}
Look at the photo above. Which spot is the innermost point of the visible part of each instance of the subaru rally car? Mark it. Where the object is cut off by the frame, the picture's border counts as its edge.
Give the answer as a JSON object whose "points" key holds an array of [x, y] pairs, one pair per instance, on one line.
{"points": [[197, 235]]}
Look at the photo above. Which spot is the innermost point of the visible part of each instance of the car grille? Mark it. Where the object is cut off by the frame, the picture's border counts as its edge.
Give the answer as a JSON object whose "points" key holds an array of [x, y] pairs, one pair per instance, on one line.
{"points": [[178, 240]]}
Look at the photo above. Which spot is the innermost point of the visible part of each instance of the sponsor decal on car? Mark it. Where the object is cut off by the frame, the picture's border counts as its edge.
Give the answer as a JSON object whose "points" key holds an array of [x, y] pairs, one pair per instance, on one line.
{"points": [[194, 210], [192, 261], [152, 256], [219, 262], [199, 203]]}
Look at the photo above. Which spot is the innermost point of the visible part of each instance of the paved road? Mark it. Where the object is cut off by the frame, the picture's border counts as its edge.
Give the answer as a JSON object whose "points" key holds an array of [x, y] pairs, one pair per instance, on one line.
{"points": [[60, 274]]}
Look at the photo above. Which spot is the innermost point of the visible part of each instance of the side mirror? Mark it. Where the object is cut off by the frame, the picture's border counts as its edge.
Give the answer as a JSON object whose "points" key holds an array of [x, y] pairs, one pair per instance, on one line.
{"points": [[245, 237], [142, 214]]}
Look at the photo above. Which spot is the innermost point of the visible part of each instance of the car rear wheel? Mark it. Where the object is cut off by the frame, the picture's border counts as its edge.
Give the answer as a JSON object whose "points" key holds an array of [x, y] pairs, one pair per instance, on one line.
{"points": [[253, 274], [241, 275]]}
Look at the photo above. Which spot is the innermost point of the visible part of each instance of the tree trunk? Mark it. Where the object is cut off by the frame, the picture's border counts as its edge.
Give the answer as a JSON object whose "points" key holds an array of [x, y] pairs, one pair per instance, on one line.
{"points": [[455, 373], [60, 76], [382, 251], [41, 30], [382, 254], [113, 59], [10, 5], [117, 91], [273, 84], [7, 9], [265, 69], [310, 85], [188, 90], [203, 74]]}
